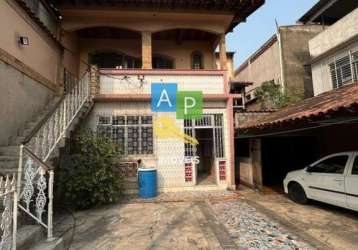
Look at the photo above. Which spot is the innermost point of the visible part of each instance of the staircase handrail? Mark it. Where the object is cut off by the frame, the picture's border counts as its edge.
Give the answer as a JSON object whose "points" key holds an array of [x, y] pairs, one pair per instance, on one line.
{"points": [[35, 177]]}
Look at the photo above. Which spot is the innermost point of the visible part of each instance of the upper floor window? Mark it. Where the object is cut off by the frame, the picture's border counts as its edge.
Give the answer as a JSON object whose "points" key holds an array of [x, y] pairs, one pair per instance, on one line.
{"points": [[341, 72], [197, 60], [162, 62], [355, 65]]}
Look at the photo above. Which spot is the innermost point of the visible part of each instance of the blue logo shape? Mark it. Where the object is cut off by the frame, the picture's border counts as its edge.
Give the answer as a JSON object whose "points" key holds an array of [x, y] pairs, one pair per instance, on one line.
{"points": [[164, 97]]}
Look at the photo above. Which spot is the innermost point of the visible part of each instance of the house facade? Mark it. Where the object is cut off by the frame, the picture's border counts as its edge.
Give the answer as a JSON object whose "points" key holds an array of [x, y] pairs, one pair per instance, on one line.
{"points": [[134, 48], [123, 48]]}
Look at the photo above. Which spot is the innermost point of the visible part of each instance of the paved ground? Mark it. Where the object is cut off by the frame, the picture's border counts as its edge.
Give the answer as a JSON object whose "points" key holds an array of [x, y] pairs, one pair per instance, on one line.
{"points": [[172, 225], [324, 226], [215, 220]]}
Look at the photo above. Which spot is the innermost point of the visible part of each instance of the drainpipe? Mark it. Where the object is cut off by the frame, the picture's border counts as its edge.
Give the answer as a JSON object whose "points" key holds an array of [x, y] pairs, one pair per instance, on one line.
{"points": [[282, 76]]}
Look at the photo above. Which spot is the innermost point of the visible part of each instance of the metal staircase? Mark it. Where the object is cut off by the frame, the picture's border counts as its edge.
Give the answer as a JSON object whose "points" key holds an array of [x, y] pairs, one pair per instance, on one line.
{"points": [[30, 190]]}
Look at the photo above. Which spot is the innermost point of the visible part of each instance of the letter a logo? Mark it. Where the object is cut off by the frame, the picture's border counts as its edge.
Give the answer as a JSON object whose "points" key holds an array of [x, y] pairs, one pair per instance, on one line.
{"points": [[164, 97]]}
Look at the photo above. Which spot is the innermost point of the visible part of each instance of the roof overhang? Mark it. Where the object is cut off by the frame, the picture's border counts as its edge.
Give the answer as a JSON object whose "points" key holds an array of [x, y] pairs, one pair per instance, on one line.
{"points": [[328, 11], [240, 9], [334, 107]]}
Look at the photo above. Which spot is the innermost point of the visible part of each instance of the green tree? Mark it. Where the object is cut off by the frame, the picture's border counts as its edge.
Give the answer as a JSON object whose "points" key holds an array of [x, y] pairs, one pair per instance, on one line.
{"points": [[90, 178], [271, 96]]}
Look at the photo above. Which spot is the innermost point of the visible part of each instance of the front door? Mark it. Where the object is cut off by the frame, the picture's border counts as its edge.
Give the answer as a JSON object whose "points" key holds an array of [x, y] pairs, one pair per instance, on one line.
{"points": [[325, 180], [352, 185]]}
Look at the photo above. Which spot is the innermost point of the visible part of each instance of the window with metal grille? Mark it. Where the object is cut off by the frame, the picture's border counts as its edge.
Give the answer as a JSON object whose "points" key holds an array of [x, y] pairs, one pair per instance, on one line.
{"points": [[134, 134], [355, 65], [341, 72]]}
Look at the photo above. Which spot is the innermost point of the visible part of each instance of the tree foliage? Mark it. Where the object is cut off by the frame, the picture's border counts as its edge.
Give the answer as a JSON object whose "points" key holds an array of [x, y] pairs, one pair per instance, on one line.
{"points": [[90, 178], [271, 96]]}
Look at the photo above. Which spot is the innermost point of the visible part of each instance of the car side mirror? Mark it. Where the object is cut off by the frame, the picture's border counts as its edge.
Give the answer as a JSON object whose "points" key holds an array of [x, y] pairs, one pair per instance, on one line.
{"points": [[309, 169]]}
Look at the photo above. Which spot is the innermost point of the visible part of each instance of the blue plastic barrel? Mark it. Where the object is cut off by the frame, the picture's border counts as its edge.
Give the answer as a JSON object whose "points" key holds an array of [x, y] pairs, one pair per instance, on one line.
{"points": [[147, 178]]}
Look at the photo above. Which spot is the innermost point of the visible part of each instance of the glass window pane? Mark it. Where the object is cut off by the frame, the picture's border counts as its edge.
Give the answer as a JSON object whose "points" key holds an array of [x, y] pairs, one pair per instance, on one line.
{"points": [[102, 119], [118, 120], [355, 167], [133, 141], [132, 120], [104, 130], [147, 120], [147, 140], [333, 165], [118, 137]]}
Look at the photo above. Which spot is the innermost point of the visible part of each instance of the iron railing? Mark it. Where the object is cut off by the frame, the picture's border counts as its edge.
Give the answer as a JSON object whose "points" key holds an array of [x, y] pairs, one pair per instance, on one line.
{"points": [[8, 196], [35, 177]]}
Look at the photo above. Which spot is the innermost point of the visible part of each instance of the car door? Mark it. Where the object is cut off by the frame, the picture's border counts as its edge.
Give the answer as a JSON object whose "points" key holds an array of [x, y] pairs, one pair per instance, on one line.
{"points": [[325, 179], [351, 181]]}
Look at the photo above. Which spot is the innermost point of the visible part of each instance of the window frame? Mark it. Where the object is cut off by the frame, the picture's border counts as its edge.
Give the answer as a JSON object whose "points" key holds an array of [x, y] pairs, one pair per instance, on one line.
{"points": [[201, 55], [354, 170], [140, 125], [309, 169], [343, 69]]}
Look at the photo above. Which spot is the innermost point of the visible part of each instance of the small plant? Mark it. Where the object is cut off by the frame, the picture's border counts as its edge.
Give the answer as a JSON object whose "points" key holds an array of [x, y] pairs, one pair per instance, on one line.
{"points": [[90, 178], [271, 96]]}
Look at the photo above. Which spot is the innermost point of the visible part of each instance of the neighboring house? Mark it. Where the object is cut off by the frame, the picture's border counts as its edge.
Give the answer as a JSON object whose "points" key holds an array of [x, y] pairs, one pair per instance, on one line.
{"points": [[282, 59], [271, 145], [334, 55]]}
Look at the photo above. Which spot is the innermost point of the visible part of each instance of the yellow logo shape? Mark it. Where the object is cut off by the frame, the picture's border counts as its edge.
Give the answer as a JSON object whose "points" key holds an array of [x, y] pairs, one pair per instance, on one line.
{"points": [[165, 128]]}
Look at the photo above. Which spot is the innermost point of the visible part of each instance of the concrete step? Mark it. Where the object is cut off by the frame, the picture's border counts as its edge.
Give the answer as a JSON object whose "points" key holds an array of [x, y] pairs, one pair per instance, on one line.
{"points": [[24, 132], [17, 140], [9, 150], [54, 244], [28, 236], [5, 158], [8, 165], [30, 125]]}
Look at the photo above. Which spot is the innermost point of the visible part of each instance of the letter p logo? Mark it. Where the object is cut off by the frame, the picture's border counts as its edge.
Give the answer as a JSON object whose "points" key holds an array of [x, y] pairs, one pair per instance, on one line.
{"points": [[189, 104]]}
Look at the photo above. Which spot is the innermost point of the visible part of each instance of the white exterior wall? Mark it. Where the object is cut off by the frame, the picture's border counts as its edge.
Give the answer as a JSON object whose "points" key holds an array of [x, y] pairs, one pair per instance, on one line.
{"points": [[338, 33], [168, 157], [321, 75], [115, 84], [333, 43]]}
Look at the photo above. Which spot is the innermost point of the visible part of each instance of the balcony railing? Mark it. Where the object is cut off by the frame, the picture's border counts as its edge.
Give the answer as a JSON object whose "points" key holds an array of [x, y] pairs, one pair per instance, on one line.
{"points": [[139, 81]]}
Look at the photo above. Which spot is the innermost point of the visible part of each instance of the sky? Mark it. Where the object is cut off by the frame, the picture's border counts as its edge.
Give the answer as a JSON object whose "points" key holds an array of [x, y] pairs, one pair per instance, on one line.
{"points": [[260, 26]]}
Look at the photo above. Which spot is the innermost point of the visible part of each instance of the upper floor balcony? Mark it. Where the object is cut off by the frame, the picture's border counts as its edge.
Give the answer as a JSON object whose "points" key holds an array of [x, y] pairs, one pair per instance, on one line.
{"points": [[129, 61], [136, 84], [339, 34]]}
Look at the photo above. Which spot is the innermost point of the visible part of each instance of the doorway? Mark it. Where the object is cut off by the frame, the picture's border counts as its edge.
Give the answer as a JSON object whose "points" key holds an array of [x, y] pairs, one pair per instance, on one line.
{"points": [[205, 152]]}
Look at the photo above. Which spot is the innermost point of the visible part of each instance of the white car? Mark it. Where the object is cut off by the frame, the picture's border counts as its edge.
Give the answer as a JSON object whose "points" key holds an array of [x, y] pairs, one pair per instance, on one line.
{"points": [[332, 179]]}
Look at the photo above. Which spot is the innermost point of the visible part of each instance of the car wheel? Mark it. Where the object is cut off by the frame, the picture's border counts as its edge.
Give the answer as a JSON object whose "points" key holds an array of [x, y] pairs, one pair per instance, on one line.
{"points": [[297, 193]]}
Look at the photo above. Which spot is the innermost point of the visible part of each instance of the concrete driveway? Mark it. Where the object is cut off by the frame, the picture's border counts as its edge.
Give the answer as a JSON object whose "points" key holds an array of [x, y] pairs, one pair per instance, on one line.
{"points": [[172, 225], [323, 225], [195, 220], [243, 220]]}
